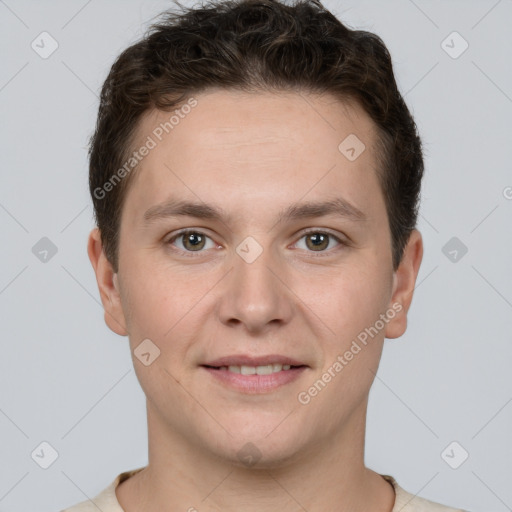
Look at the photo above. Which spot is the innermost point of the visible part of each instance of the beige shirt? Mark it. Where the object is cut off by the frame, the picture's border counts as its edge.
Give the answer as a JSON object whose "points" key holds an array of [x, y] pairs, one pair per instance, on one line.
{"points": [[106, 500]]}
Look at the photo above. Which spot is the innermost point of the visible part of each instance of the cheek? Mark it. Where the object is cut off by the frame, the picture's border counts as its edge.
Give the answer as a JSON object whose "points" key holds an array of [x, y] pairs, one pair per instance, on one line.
{"points": [[158, 314], [168, 308], [158, 296], [347, 300]]}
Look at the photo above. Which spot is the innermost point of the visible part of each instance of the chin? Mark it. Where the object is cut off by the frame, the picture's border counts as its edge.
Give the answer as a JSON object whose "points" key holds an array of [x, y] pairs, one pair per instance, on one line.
{"points": [[254, 448]]}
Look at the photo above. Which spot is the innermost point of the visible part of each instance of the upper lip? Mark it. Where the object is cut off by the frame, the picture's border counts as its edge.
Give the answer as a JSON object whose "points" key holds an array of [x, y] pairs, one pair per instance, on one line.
{"points": [[246, 360]]}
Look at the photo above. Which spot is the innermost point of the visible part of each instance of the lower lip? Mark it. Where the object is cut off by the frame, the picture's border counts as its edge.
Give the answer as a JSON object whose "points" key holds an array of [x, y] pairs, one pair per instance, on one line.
{"points": [[255, 383]]}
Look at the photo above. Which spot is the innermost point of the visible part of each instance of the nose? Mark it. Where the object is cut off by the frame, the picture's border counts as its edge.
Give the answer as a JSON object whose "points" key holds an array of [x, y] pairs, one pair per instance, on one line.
{"points": [[255, 295]]}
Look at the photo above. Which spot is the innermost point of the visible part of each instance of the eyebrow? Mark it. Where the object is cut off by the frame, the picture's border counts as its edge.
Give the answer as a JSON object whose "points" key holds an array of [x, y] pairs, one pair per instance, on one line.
{"points": [[174, 208]]}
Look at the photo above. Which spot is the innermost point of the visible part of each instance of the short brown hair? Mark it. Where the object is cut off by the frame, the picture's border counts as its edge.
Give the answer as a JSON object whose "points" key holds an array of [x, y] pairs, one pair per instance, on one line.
{"points": [[254, 45]]}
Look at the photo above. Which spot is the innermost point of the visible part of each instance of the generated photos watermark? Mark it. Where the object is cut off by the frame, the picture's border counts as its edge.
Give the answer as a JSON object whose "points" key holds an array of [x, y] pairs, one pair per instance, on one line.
{"points": [[305, 397], [152, 141]]}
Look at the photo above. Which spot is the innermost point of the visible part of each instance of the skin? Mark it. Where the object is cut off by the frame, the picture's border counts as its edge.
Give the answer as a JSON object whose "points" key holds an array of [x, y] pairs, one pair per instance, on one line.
{"points": [[253, 155]]}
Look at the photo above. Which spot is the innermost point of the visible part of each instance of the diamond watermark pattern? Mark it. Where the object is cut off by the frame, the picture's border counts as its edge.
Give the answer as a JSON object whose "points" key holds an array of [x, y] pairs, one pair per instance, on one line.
{"points": [[249, 250], [146, 352], [44, 455], [454, 45], [454, 455], [352, 147], [44, 45], [44, 250], [454, 250], [249, 454]]}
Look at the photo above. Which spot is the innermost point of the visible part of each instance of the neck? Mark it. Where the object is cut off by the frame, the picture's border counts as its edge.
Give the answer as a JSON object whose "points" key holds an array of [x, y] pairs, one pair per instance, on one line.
{"points": [[181, 475]]}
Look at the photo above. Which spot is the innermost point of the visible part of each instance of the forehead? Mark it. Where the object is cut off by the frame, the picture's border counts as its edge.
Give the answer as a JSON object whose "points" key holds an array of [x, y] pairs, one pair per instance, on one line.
{"points": [[256, 147]]}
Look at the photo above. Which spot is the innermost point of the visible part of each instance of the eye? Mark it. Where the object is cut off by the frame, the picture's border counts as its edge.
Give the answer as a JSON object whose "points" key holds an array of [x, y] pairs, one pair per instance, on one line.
{"points": [[319, 241], [191, 241]]}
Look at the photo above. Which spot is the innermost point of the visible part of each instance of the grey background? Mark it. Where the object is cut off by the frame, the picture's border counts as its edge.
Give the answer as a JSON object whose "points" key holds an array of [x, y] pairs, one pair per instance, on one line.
{"points": [[67, 380]]}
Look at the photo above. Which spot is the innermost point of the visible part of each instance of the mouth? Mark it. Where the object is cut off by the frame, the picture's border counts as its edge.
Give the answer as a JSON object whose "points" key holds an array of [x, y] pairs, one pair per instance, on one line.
{"points": [[255, 375], [267, 369]]}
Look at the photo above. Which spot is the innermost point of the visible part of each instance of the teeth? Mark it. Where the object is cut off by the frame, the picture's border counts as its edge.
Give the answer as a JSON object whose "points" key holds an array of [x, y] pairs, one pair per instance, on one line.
{"points": [[265, 370], [257, 370], [248, 370]]}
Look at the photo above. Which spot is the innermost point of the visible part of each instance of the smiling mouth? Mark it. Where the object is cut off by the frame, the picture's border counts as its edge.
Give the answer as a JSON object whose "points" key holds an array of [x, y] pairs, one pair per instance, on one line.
{"points": [[254, 379], [267, 369]]}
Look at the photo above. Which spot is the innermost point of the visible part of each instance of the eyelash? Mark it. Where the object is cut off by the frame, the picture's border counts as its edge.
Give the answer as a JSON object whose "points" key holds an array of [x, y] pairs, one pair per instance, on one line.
{"points": [[194, 254]]}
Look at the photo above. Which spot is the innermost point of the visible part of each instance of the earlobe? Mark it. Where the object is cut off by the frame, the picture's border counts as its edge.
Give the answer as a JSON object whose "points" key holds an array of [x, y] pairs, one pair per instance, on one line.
{"points": [[404, 281], [108, 285]]}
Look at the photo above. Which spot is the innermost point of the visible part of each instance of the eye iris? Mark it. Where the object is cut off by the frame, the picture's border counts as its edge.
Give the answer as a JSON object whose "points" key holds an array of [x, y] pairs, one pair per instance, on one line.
{"points": [[320, 241], [195, 239]]}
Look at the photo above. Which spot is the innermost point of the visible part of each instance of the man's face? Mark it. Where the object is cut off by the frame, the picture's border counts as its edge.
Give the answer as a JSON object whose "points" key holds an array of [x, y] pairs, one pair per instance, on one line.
{"points": [[255, 282]]}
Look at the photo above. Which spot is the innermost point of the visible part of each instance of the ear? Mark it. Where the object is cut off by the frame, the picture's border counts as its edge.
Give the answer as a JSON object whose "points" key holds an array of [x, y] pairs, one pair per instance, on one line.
{"points": [[107, 284], [404, 280]]}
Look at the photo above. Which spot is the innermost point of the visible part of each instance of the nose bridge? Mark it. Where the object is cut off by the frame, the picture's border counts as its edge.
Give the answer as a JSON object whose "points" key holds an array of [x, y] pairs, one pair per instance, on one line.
{"points": [[253, 295]]}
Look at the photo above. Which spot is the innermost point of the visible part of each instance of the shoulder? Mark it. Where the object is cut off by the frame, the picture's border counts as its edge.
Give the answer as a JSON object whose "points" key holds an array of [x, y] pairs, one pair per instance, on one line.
{"points": [[407, 502], [106, 500]]}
